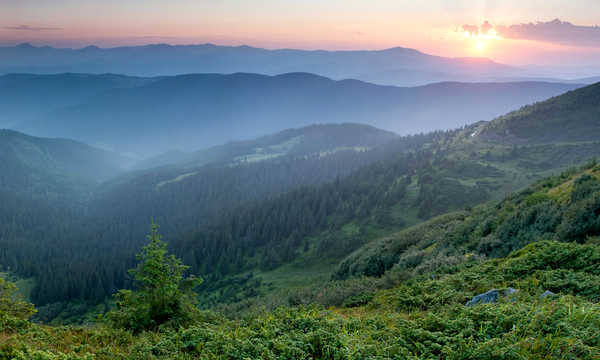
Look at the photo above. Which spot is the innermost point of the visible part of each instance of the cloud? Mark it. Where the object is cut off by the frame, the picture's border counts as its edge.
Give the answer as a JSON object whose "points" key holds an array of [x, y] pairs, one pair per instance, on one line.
{"points": [[473, 30], [486, 27], [555, 31], [30, 28]]}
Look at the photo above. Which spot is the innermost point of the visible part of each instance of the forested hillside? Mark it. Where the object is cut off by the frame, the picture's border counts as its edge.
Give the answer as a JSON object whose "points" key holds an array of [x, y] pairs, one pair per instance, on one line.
{"points": [[570, 117], [562, 207], [536, 301], [247, 215]]}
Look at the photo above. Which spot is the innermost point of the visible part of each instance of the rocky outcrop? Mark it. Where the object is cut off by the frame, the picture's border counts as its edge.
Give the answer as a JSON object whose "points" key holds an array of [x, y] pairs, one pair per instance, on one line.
{"points": [[492, 296]]}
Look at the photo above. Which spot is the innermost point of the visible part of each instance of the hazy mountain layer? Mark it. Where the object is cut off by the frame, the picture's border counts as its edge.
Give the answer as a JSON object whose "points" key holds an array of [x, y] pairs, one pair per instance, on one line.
{"points": [[190, 112], [27, 96], [396, 66]]}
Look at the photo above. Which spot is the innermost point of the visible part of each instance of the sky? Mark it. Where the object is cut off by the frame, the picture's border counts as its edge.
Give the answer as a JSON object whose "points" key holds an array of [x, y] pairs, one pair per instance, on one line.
{"points": [[519, 32]]}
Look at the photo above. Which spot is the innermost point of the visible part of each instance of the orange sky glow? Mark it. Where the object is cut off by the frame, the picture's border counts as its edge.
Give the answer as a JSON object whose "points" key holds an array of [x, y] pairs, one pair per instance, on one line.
{"points": [[433, 27]]}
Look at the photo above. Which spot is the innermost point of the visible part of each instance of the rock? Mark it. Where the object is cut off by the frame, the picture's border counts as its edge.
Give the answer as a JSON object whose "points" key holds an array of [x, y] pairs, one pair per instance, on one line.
{"points": [[485, 298], [510, 294], [546, 294], [510, 291]]}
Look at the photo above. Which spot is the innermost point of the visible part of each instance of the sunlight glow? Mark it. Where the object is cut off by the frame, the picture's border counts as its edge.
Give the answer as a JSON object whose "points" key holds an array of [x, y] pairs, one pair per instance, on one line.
{"points": [[480, 45], [481, 40]]}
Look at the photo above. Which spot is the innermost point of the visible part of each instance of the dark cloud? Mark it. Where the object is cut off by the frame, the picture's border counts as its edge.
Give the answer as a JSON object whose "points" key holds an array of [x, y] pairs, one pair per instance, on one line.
{"points": [[30, 28], [555, 31], [471, 29], [486, 27]]}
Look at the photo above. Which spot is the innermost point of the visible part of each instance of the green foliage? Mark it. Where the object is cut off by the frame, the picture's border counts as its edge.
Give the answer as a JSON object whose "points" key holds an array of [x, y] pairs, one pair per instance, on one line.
{"points": [[11, 304], [423, 318], [162, 294], [582, 218], [565, 208]]}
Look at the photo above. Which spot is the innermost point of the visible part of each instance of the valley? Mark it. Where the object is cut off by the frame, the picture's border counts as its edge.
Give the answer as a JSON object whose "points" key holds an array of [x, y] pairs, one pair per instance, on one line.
{"points": [[308, 180], [322, 199]]}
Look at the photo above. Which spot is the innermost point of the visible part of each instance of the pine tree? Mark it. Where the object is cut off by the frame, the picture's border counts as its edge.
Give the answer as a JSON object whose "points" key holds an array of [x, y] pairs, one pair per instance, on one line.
{"points": [[161, 295]]}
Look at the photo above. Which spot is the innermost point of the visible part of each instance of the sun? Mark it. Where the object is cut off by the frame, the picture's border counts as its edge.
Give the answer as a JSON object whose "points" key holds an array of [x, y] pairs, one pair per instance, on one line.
{"points": [[480, 38], [480, 45]]}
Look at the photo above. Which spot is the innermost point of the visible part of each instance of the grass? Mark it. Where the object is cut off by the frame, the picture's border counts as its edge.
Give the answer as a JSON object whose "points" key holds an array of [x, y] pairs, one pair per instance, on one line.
{"points": [[298, 274]]}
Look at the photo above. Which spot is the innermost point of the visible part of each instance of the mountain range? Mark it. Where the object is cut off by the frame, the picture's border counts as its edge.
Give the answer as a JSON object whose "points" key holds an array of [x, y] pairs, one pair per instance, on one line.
{"points": [[149, 116], [395, 66]]}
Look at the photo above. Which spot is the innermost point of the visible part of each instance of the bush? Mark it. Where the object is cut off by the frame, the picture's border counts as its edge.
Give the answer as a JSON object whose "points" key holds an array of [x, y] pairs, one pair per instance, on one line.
{"points": [[11, 304]]}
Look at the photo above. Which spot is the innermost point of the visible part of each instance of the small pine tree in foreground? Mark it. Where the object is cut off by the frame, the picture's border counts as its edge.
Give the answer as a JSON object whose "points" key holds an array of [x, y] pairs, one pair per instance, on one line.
{"points": [[161, 295]]}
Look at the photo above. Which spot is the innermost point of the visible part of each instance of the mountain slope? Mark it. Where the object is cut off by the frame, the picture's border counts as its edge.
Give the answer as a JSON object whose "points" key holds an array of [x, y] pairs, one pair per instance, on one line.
{"points": [[561, 208], [32, 163], [547, 135], [198, 187], [458, 169], [396, 66], [306, 141], [542, 303], [198, 111], [297, 236], [574, 116]]}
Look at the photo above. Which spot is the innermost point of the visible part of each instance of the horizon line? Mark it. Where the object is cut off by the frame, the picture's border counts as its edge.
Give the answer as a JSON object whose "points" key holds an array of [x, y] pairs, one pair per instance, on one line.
{"points": [[91, 45]]}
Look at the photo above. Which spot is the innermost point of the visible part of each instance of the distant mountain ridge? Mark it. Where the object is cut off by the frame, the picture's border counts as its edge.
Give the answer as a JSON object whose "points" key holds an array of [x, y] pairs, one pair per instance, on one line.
{"points": [[149, 116], [394, 66], [27, 96]]}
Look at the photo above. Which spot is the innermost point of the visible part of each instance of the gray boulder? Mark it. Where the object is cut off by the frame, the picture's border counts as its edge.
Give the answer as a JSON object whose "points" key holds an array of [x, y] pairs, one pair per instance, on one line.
{"points": [[510, 294], [546, 294], [485, 298]]}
